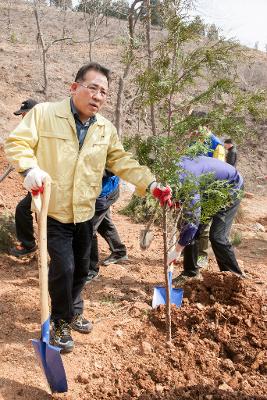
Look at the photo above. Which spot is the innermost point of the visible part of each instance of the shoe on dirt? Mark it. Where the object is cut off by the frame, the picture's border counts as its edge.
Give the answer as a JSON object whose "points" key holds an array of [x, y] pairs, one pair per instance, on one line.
{"points": [[61, 336], [20, 251], [92, 275], [202, 262], [114, 259], [80, 324], [182, 278]]}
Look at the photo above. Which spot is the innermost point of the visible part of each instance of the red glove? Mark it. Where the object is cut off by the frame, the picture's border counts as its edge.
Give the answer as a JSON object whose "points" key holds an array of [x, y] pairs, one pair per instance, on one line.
{"points": [[163, 194], [36, 192], [176, 205]]}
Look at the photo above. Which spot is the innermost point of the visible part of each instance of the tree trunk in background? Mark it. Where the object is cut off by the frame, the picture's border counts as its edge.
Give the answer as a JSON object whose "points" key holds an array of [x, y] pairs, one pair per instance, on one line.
{"points": [[131, 26], [149, 54], [43, 47]]}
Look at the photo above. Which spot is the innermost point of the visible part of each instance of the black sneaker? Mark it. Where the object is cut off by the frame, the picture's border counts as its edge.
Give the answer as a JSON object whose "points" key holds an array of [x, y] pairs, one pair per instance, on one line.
{"points": [[114, 259], [182, 278], [93, 275], [61, 336], [20, 251], [80, 324]]}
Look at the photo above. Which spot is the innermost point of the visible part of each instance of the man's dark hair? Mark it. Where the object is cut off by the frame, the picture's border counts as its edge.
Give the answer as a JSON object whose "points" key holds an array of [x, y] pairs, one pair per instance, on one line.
{"points": [[228, 141], [92, 67]]}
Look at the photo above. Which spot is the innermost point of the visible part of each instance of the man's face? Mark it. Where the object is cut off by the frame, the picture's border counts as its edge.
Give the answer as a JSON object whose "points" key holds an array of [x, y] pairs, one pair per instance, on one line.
{"points": [[227, 146], [90, 94]]}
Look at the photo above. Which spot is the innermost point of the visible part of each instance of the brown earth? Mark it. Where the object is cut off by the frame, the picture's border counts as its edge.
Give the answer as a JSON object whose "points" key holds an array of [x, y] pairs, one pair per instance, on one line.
{"points": [[219, 347], [219, 342]]}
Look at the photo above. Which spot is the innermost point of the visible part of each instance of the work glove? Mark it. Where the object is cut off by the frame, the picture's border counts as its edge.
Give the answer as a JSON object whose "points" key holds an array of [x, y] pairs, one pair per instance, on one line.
{"points": [[173, 256], [34, 180], [161, 193]]}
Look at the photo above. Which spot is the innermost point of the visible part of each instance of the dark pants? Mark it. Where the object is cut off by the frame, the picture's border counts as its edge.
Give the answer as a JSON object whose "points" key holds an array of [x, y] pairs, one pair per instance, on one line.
{"points": [[24, 222], [69, 247], [103, 224], [222, 248]]}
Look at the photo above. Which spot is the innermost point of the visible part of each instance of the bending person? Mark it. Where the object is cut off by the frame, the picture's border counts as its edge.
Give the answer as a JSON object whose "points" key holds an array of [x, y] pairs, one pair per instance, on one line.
{"points": [[221, 222]]}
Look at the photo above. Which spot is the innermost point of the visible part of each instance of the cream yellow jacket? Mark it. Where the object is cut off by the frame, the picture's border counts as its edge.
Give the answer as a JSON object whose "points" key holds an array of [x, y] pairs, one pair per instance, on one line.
{"points": [[47, 137]]}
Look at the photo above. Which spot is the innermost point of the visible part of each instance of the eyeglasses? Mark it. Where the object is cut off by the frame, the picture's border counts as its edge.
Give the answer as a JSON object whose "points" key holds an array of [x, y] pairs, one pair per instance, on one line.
{"points": [[94, 90]]}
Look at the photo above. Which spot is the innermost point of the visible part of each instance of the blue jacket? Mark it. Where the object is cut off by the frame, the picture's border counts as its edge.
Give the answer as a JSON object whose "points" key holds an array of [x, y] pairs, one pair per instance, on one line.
{"points": [[199, 166], [110, 182], [213, 143]]}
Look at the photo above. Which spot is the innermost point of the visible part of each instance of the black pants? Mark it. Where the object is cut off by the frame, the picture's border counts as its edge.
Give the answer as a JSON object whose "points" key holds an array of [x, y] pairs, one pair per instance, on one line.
{"points": [[103, 224], [69, 247], [222, 248], [24, 222]]}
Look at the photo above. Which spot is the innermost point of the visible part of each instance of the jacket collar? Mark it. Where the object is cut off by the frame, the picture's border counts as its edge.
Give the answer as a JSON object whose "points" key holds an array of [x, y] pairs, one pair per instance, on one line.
{"points": [[63, 110]]}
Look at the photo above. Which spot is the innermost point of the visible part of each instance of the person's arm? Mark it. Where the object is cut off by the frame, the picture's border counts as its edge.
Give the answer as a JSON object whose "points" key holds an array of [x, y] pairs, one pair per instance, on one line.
{"points": [[20, 151], [20, 144], [190, 224], [190, 221], [122, 163], [219, 153]]}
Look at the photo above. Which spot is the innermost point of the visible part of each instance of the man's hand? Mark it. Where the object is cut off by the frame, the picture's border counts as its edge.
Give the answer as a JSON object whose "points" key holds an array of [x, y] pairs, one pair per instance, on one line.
{"points": [[175, 254], [34, 179], [161, 193]]}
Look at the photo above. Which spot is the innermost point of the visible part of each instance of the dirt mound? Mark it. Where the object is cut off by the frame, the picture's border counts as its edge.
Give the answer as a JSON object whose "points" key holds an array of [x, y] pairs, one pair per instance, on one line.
{"points": [[218, 334]]}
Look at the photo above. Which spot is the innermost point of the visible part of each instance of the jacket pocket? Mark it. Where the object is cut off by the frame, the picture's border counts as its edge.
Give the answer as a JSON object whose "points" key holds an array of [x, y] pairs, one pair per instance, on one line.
{"points": [[54, 135]]}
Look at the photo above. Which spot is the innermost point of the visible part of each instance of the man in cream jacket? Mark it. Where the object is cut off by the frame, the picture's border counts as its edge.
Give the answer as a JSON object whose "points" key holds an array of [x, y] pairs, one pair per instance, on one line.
{"points": [[72, 143]]}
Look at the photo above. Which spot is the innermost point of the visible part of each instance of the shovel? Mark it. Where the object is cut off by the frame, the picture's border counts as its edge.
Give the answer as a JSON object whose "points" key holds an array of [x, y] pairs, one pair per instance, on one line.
{"points": [[159, 295], [48, 356], [146, 235]]}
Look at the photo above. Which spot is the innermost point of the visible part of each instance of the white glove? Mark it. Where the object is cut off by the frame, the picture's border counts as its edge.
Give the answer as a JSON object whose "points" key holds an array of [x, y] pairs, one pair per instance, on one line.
{"points": [[34, 179], [173, 256]]}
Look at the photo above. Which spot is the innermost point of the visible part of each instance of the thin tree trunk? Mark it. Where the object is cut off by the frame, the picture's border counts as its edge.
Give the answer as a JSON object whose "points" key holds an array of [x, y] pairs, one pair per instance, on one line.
{"points": [[168, 295], [118, 110], [44, 49], [149, 53], [169, 115]]}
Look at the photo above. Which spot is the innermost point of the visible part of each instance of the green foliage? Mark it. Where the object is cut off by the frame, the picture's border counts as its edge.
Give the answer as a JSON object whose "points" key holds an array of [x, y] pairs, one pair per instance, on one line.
{"points": [[64, 4], [92, 6], [236, 238], [13, 38], [141, 209], [7, 231], [155, 12], [118, 9], [213, 32], [183, 60], [162, 155]]}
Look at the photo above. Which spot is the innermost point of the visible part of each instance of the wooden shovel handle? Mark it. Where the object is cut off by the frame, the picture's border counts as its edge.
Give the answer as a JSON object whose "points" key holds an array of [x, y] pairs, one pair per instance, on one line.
{"points": [[151, 220], [42, 244]]}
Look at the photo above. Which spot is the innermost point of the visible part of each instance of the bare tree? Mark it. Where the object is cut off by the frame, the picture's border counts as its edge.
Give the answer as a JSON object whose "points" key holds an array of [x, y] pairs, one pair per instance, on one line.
{"points": [[44, 46], [133, 16], [149, 58], [9, 4], [94, 15]]}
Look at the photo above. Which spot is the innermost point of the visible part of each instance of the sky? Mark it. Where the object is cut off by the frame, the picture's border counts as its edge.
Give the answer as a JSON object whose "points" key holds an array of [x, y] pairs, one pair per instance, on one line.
{"points": [[244, 20]]}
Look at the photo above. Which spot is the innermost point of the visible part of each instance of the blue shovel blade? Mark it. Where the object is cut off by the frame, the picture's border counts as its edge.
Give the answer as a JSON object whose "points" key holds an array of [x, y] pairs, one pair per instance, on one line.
{"points": [[159, 296], [50, 360]]}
